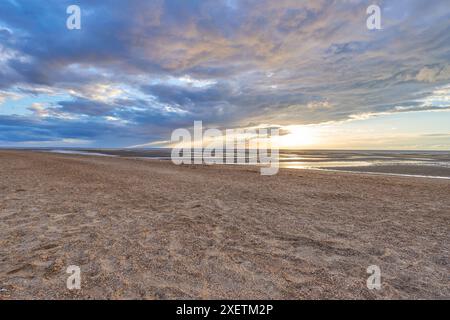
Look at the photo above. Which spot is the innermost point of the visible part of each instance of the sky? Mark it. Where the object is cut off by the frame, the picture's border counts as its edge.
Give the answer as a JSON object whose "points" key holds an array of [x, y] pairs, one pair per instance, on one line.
{"points": [[137, 70]]}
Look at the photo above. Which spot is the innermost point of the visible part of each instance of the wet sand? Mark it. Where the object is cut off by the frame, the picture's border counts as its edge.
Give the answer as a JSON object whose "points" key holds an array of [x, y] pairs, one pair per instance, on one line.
{"points": [[431, 171], [147, 229], [416, 163]]}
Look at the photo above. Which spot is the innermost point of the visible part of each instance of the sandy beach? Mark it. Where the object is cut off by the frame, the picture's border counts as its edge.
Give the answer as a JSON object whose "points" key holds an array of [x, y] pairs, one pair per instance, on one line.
{"points": [[147, 229]]}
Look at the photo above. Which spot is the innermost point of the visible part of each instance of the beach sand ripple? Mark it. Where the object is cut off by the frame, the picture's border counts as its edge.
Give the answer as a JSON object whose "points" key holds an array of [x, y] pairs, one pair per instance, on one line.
{"points": [[147, 229]]}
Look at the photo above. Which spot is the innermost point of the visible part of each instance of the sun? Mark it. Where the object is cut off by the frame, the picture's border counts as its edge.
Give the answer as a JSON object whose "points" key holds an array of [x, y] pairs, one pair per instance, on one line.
{"points": [[297, 137]]}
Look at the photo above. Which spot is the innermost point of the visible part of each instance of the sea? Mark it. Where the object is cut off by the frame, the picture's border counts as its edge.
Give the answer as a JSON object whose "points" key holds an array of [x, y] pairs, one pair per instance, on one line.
{"points": [[434, 164]]}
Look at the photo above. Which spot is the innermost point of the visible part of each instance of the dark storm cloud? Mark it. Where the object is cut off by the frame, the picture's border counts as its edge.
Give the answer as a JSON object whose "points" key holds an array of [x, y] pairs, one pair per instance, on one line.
{"points": [[85, 107]]}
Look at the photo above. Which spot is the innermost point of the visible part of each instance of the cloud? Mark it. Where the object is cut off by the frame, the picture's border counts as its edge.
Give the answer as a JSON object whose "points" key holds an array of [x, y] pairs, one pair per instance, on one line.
{"points": [[433, 74], [4, 95], [437, 135], [84, 107], [155, 65]]}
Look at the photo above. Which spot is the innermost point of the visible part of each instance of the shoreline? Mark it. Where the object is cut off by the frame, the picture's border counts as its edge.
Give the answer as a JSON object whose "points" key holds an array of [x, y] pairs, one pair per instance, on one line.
{"points": [[356, 169]]}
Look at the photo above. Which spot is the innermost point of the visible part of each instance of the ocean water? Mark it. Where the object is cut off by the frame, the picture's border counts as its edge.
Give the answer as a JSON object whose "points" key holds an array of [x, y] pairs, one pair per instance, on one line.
{"points": [[408, 163]]}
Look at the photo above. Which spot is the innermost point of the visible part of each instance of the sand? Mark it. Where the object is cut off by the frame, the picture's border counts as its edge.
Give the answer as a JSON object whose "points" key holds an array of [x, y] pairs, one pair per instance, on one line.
{"points": [[147, 229]]}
